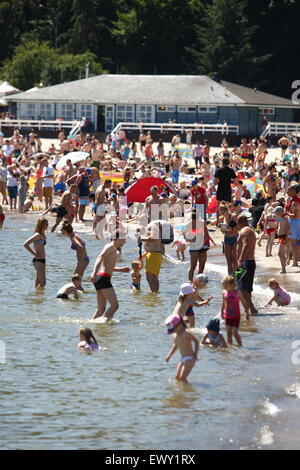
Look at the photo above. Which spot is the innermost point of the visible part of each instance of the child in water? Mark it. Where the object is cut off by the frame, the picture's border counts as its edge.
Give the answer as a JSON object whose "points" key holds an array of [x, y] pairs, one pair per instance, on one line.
{"points": [[70, 288], [188, 299], [87, 340], [281, 296], [231, 309], [181, 246], [136, 274], [183, 340], [213, 336]]}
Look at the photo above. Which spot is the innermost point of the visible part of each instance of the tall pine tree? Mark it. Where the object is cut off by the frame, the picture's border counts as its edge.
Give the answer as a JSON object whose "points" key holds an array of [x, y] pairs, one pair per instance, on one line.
{"points": [[224, 43]]}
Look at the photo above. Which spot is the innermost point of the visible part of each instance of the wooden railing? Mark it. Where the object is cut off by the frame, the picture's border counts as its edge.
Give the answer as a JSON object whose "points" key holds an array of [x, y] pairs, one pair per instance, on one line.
{"points": [[39, 124], [281, 128], [178, 127]]}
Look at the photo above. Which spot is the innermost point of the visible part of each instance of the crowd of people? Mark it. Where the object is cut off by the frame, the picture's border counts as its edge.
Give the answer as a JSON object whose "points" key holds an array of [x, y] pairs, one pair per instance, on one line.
{"points": [[207, 192]]}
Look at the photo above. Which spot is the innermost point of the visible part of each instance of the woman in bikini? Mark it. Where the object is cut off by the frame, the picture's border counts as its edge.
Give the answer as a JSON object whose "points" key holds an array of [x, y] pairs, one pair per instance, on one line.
{"points": [[39, 241], [228, 226], [270, 182], [78, 245]]}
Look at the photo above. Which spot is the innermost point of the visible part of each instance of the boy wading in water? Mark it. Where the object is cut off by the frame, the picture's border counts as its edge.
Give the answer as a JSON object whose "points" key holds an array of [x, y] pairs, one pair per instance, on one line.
{"points": [[104, 267]]}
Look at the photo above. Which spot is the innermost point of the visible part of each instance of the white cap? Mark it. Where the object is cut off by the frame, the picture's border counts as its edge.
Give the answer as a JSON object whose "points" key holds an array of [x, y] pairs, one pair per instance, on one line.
{"points": [[202, 278], [186, 289]]}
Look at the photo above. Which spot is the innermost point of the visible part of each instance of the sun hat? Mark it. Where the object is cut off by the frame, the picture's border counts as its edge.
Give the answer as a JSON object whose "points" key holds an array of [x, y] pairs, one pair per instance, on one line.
{"points": [[202, 278], [213, 325], [186, 289], [172, 321]]}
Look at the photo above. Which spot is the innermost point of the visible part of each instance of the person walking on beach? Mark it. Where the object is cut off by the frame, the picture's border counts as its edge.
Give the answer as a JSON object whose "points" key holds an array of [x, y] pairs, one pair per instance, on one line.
{"points": [[175, 165], [100, 203], [104, 267], [224, 177], [283, 229], [83, 184], [293, 211], [39, 241], [48, 183], [246, 253]]}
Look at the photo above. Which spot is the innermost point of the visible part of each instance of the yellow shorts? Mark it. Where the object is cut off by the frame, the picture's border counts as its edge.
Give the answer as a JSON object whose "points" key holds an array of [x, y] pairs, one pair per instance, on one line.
{"points": [[153, 263]]}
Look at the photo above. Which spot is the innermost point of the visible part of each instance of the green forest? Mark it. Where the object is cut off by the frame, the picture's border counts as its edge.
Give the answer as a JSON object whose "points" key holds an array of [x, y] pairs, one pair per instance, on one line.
{"points": [[250, 42]]}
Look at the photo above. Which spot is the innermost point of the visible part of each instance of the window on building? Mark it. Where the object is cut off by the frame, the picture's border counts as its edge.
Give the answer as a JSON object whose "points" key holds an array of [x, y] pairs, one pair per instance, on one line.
{"points": [[85, 110], [65, 112], [207, 109], [166, 109], [186, 109], [46, 111], [266, 111], [145, 113], [124, 113]]}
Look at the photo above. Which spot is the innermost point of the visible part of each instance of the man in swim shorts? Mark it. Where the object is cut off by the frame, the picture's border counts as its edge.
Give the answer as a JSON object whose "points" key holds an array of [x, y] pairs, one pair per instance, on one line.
{"points": [[105, 266], [246, 249], [154, 249]]}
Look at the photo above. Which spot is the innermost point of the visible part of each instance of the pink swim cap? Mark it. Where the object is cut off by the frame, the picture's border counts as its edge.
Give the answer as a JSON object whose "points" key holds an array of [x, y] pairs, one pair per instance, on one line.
{"points": [[172, 321]]}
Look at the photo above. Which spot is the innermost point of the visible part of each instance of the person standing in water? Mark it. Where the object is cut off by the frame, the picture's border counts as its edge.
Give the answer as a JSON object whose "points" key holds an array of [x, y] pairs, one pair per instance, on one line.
{"points": [[183, 340], [246, 252], [78, 245], [39, 241], [104, 267]]}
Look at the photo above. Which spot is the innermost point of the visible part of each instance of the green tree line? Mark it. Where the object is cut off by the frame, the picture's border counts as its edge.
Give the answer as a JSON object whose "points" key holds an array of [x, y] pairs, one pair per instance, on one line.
{"points": [[250, 42]]}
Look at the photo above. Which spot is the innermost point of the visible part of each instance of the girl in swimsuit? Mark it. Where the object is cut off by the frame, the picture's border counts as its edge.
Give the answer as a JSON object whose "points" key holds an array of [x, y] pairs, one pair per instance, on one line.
{"points": [[281, 296], [39, 241], [78, 245], [88, 341], [270, 230], [183, 340]]}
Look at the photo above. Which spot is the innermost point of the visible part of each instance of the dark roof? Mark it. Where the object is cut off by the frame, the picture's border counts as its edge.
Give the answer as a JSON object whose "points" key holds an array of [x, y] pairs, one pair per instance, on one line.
{"points": [[135, 89], [183, 90], [254, 96]]}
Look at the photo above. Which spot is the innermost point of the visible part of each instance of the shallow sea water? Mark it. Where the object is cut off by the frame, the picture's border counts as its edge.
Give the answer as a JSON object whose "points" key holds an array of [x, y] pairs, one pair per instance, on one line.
{"points": [[125, 395]]}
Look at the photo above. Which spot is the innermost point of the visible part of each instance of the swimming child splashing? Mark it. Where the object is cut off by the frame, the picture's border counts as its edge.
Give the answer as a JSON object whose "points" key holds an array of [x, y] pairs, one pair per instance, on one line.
{"points": [[183, 340], [88, 341]]}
